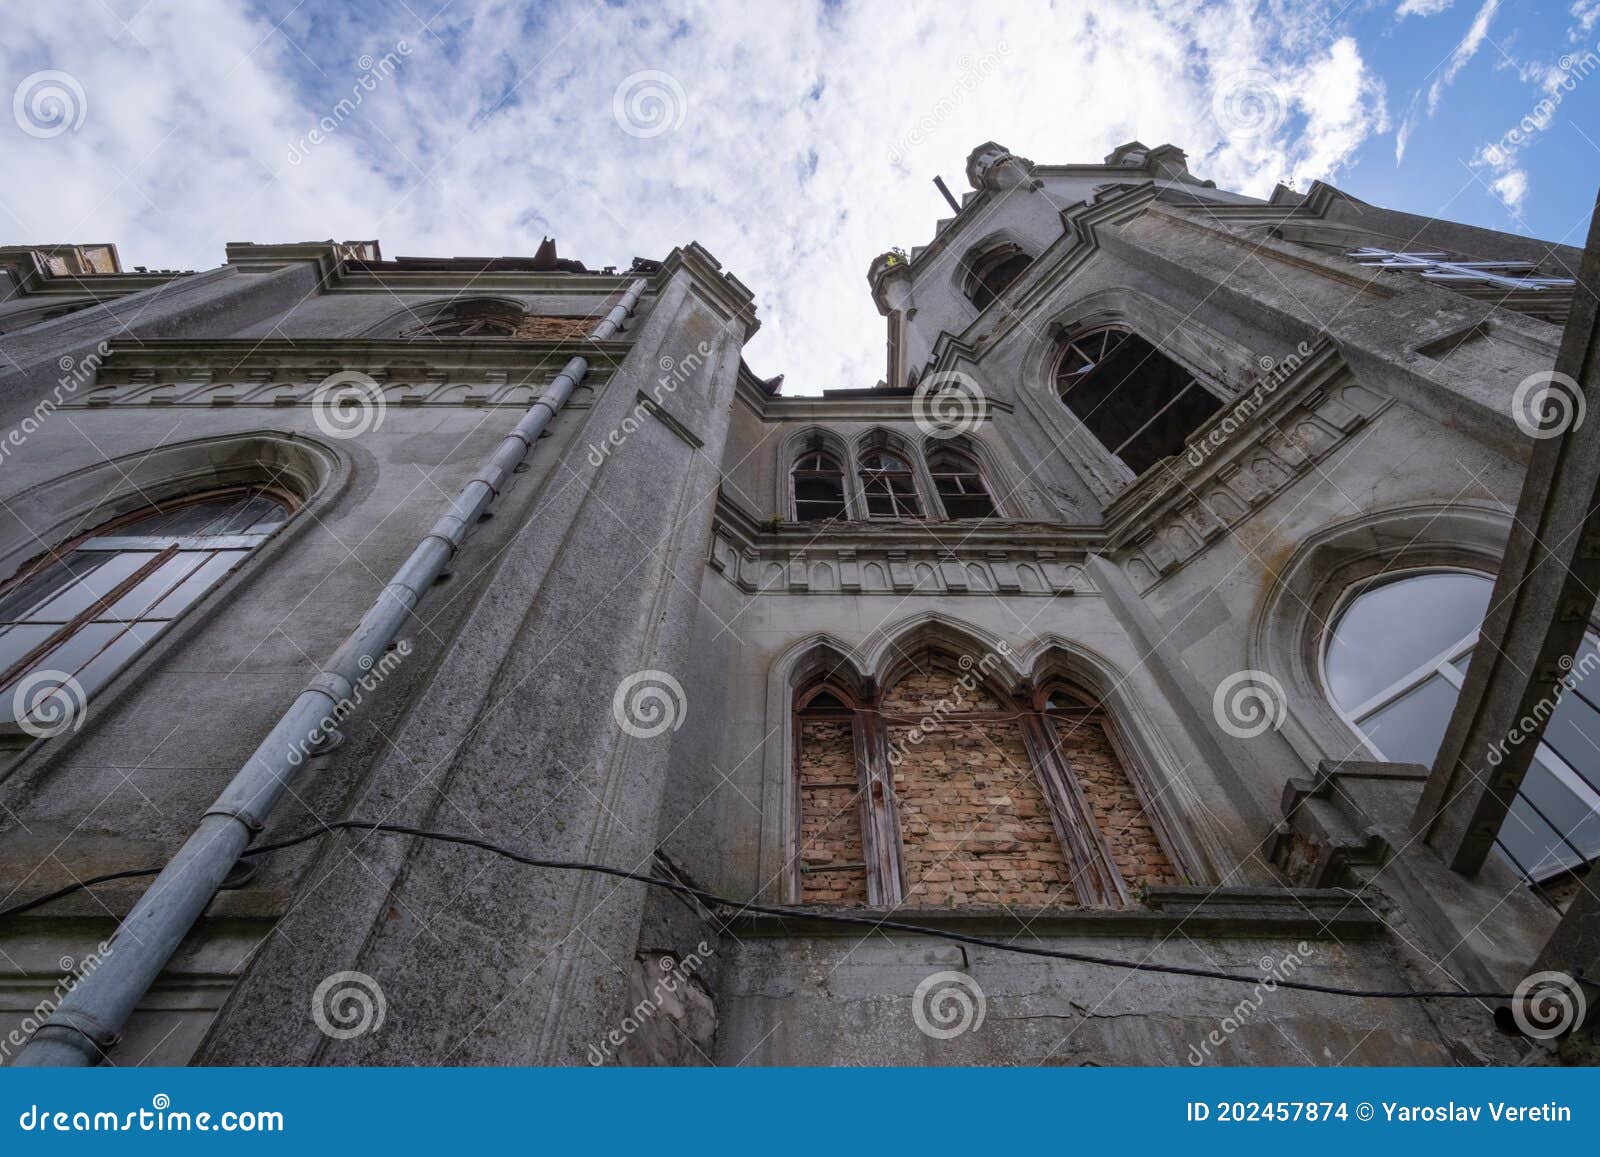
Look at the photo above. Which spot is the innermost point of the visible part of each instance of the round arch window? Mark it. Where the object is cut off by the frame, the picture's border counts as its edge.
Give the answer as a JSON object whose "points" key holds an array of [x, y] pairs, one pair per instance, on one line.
{"points": [[73, 618], [1394, 660]]}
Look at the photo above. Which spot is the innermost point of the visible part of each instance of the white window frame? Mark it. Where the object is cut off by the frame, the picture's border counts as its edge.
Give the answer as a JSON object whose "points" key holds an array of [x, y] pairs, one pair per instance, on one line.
{"points": [[1442, 664]]}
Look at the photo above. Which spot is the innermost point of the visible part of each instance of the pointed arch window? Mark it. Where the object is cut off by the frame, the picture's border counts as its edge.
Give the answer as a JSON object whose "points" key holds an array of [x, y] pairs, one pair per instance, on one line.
{"points": [[958, 481], [1137, 402], [75, 617], [944, 789], [992, 272], [817, 487], [889, 486]]}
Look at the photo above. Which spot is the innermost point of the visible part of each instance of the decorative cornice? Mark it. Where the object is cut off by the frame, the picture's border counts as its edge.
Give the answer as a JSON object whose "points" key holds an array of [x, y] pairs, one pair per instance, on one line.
{"points": [[853, 558], [244, 372], [1269, 437]]}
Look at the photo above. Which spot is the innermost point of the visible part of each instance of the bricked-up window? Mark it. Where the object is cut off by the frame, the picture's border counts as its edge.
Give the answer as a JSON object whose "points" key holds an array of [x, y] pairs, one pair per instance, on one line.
{"points": [[992, 272], [817, 486], [889, 486], [1137, 402], [976, 826], [1086, 744], [958, 481], [73, 618], [833, 868]]}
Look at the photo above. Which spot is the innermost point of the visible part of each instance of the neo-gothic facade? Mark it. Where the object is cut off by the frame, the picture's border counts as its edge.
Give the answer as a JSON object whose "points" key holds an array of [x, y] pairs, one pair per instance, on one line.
{"points": [[1115, 620]]}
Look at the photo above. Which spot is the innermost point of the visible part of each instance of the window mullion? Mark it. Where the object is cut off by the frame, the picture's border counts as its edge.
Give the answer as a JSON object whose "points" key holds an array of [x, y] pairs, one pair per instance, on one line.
{"points": [[1094, 874], [86, 616], [880, 812]]}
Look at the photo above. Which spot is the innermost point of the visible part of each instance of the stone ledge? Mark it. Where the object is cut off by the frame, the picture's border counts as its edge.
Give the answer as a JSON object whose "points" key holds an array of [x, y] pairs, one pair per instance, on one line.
{"points": [[1310, 913]]}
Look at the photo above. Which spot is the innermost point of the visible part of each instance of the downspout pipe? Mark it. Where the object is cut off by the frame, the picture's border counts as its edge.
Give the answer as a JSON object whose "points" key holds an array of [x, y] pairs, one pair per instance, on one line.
{"points": [[87, 1022]]}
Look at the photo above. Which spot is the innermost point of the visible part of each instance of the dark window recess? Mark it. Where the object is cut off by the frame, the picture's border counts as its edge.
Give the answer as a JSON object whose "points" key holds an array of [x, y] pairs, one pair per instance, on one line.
{"points": [[818, 487], [960, 484], [991, 273], [890, 489], [1140, 404], [471, 319]]}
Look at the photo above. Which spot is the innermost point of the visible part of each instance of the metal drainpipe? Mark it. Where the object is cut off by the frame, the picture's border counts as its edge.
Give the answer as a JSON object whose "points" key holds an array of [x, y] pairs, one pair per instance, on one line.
{"points": [[89, 1018]]}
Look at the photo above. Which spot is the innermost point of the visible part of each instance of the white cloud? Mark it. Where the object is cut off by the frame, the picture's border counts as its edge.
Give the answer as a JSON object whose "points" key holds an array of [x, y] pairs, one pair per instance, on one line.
{"points": [[1512, 188], [809, 134], [1422, 8], [1477, 31]]}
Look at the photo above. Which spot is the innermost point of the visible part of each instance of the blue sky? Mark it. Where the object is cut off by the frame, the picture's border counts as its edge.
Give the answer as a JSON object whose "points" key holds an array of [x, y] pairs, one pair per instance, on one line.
{"points": [[793, 140]]}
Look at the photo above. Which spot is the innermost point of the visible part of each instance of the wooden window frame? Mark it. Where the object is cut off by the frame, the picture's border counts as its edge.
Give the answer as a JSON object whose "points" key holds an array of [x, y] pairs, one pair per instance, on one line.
{"points": [[798, 473]]}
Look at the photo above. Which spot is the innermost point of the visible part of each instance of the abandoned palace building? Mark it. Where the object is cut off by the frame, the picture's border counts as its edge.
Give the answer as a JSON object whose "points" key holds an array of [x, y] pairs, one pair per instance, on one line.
{"points": [[1123, 619]]}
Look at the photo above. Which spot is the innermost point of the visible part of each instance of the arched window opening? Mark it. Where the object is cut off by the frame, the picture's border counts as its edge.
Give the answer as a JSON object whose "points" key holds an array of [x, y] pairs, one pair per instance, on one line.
{"points": [[991, 273], [471, 319], [817, 487], [958, 481], [1087, 745], [1137, 402], [1394, 661], [75, 617], [832, 853], [889, 486]]}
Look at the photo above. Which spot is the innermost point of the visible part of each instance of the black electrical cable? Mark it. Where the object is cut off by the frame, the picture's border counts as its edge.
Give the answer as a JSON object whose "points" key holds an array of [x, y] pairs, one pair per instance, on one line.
{"points": [[714, 901]]}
